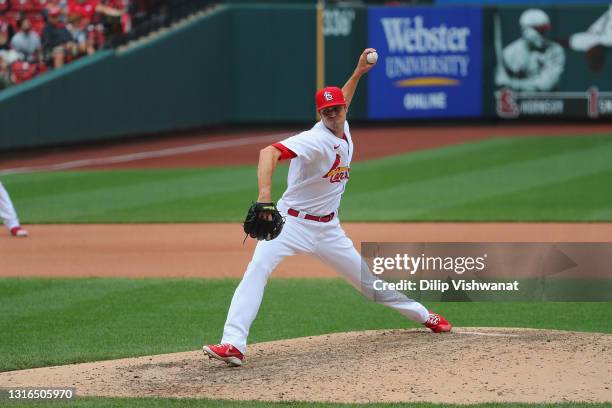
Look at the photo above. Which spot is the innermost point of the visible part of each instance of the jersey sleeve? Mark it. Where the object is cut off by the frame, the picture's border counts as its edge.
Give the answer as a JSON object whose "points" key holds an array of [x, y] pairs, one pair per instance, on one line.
{"points": [[304, 145], [285, 152]]}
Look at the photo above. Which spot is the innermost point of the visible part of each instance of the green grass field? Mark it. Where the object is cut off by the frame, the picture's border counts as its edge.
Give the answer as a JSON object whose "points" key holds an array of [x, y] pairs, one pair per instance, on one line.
{"points": [[58, 321], [502, 179], [61, 321]]}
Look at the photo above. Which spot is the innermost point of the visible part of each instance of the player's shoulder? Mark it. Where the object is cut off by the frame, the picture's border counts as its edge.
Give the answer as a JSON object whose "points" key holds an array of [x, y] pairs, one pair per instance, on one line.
{"points": [[317, 133], [308, 140]]}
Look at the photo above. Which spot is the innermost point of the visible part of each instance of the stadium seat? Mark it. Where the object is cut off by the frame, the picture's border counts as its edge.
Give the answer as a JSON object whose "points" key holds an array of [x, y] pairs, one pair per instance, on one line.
{"points": [[22, 71], [12, 17], [22, 5], [37, 20], [39, 5]]}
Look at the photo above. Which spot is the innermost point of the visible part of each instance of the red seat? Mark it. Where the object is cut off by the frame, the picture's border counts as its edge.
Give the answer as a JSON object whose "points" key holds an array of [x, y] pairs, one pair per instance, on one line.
{"points": [[12, 17], [35, 16], [42, 68], [22, 71], [4, 5], [39, 5], [22, 5], [38, 26]]}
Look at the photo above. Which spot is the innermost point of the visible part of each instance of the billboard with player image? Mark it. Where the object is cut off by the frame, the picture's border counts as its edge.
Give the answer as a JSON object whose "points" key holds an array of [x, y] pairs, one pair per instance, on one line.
{"points": [[552, 62], [430, 62]]}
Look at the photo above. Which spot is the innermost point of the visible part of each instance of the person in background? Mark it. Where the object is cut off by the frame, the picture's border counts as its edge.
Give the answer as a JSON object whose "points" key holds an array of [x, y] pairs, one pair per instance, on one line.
{"points": [[6, 32], [9, 216], [57, 40], [26, 41]]}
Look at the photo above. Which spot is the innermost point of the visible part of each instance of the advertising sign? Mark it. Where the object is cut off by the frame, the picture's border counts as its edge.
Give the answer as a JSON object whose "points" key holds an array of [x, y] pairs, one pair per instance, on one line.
{"points": [[429, 62], [552, 62]]}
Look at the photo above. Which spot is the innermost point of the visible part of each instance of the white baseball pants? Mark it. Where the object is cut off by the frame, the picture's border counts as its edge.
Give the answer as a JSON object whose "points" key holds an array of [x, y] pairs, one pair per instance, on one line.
{"points": [[326, 241], [7, 211]]}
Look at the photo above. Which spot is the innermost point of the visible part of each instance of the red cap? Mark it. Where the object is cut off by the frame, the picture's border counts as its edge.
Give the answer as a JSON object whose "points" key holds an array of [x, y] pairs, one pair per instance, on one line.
{"points": [[329, 96], [54, 11]]}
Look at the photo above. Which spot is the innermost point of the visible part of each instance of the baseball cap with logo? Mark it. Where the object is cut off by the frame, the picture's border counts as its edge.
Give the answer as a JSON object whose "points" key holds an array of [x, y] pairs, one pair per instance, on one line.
{"points": [[329, 96]]}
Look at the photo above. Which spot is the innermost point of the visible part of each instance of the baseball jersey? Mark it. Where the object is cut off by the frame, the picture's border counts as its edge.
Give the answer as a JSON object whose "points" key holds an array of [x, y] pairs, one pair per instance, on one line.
{"points": [[319, 172], [535, 71]]}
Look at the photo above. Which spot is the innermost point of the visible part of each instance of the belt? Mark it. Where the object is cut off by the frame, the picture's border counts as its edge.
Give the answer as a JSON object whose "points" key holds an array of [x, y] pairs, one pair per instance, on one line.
{"points": [[325, 218]]}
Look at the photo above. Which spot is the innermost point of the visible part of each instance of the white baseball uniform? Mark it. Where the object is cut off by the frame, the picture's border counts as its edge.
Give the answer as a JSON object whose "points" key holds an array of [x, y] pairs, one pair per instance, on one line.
{"points": [[7, 211], [599, 33], [317, 178]]}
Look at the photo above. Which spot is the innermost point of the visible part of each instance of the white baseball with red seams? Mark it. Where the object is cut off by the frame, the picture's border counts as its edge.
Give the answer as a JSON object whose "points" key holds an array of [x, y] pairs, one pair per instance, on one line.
{"points": [[372, 57]]}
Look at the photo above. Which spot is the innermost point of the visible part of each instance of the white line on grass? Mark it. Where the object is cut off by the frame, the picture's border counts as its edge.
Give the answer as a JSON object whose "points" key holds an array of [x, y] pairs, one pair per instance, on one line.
{"points": [[171, 151]]}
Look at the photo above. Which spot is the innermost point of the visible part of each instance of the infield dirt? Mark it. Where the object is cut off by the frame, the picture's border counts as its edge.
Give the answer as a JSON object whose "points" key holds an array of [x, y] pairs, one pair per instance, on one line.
{"points": [[469, 365]]}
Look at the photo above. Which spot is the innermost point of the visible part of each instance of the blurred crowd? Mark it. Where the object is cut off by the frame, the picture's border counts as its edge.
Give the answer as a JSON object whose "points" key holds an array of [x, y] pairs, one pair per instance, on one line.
{"points": [[39, 35]]}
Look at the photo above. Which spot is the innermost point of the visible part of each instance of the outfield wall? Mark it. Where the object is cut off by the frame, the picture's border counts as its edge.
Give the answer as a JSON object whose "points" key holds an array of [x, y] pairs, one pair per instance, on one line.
{"points": [[257, 64], [237, 64]]}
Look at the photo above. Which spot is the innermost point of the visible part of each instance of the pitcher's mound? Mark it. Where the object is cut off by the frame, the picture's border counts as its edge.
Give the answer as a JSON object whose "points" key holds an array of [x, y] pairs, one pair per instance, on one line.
{"points": [[470, 365]]}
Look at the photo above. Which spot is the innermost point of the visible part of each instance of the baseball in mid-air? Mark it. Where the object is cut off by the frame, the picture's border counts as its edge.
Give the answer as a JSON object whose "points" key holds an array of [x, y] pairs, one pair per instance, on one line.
{"points": [[372, 57]]}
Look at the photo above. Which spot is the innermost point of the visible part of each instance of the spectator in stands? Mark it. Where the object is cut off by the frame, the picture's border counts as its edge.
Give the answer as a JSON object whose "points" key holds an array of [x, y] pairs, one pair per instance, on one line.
{"points": [[7, 55], [6, 32], [86, 26], [26, 41], [57, 40], [4, 74]]}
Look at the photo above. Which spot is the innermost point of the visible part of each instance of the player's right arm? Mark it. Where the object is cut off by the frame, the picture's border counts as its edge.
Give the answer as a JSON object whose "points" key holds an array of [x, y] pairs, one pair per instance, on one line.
{"points": [[362, 67], [268, 158]]}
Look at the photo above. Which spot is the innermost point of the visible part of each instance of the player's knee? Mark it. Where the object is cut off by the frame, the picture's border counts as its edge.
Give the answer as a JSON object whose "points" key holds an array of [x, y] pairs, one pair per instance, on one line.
{"points": [[260, 267]]}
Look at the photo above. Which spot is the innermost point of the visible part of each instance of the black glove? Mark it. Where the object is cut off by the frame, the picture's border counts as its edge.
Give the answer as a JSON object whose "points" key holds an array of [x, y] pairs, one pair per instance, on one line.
{"points": [[263, 221]]}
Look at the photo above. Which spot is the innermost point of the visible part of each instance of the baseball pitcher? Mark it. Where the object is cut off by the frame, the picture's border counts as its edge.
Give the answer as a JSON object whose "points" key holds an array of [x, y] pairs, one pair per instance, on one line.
{"points": [[306, 219]]}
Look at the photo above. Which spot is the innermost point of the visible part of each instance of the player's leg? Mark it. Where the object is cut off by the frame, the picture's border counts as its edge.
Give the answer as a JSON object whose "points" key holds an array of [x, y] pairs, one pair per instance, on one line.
{"points": [[7, 211], [337, 250], [294, 238]]}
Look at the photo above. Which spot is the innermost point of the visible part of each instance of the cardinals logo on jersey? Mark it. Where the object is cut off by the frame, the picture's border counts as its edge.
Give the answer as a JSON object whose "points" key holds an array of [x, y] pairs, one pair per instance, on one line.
{"points": [[337, 174]]}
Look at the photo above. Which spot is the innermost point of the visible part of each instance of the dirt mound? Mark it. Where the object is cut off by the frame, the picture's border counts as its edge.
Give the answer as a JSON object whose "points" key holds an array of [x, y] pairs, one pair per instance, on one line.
{"points": [[470, 365]]}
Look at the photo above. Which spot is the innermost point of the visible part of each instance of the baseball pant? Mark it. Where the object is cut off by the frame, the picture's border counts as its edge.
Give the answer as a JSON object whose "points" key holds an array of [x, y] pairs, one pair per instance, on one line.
{"points": [[326, 241], [7, 211]]}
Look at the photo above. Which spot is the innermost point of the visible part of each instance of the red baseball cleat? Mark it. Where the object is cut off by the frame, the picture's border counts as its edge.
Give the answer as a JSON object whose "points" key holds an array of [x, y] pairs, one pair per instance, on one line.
{"points": [[19, 232], [437, 323], [225, 352]]}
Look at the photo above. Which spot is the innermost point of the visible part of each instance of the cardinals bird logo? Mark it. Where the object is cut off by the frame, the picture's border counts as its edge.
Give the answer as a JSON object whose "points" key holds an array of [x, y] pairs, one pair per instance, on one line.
{"points": [[337, 174]]}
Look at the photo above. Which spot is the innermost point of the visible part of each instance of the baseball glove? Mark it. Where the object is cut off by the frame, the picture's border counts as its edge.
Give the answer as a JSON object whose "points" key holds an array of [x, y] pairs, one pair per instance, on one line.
{"points": [[263, 221]]}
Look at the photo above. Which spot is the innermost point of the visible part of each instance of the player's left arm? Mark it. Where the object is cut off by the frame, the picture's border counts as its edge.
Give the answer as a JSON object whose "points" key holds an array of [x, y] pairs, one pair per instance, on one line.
{"points": [[268, 158], [362, 67]]}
